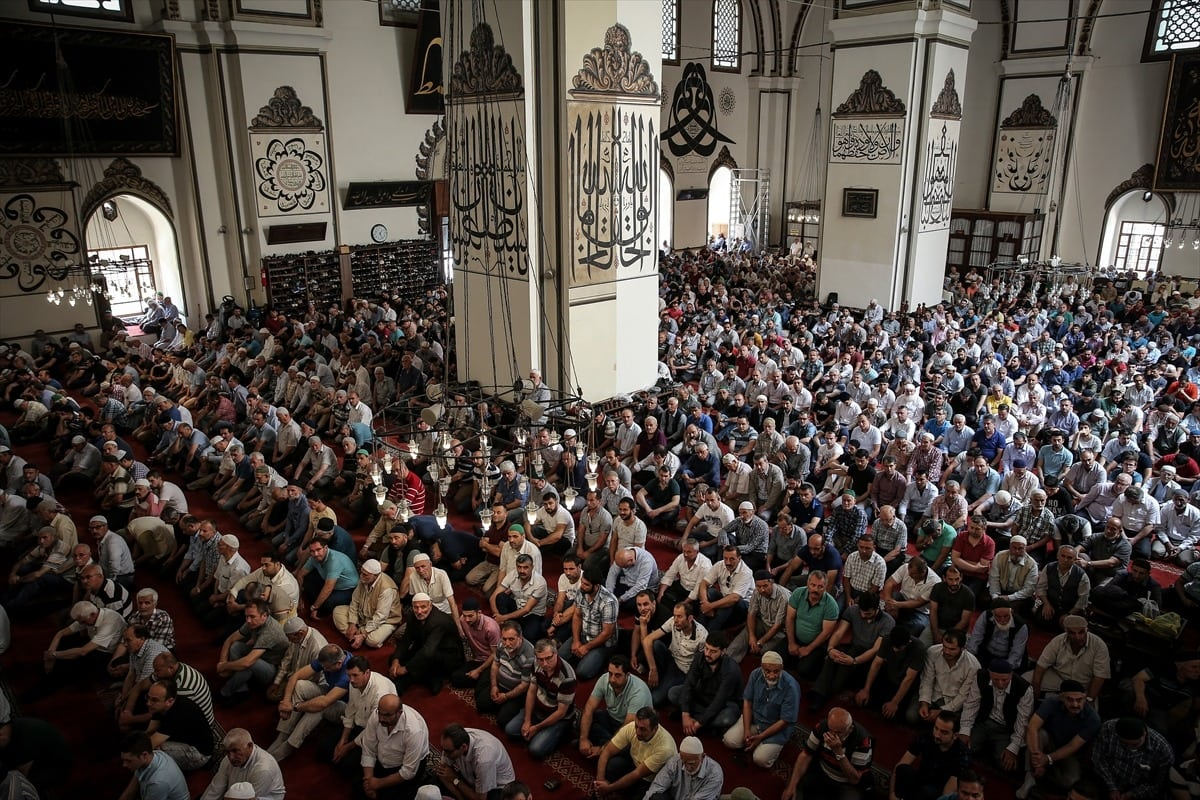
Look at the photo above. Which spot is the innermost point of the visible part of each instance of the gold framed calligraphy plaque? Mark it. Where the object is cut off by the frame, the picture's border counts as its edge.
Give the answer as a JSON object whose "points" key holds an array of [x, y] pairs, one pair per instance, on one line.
{"points": [[117, 87]]}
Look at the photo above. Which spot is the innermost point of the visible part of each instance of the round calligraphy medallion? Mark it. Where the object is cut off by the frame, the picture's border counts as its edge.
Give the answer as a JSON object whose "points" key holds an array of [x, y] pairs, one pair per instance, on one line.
{"points": [[727, 101], [25, 241], [291, 175]]}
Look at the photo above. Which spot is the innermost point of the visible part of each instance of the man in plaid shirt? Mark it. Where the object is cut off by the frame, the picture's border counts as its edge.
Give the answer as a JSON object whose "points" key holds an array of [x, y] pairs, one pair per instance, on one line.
{"points": [[846, 523], [594, 627], [1035, 522]]}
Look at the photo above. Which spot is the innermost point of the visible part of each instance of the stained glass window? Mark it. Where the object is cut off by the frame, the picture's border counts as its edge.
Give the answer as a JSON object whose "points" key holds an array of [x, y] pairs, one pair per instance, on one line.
{"points": [[670, 31], [727, 35], [101, 9], [1174, 27]]}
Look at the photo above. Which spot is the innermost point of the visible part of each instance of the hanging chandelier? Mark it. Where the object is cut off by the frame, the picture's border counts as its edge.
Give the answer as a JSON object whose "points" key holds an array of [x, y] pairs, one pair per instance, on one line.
{"points": [[1184, 229]]}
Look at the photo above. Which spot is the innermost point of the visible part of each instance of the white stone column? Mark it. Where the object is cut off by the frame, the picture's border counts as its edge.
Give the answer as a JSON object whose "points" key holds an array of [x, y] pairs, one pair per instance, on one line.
{"points": [[892, 154]]}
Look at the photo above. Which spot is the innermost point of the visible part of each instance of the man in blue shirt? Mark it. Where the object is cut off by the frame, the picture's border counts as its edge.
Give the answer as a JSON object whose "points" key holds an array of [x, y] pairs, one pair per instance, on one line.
{"points": [[327, 579], [770, 707], [315, 692], [156, 776]]}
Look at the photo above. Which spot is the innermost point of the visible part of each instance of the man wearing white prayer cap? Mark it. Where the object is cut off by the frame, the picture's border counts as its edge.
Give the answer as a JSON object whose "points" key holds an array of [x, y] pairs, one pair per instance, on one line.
{"points": [[374, 609], [688, 775]]}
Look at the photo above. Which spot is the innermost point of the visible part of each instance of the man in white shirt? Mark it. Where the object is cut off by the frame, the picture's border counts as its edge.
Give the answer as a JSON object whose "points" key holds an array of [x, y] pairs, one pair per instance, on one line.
{"points": [[683, 577], [395, 749]]}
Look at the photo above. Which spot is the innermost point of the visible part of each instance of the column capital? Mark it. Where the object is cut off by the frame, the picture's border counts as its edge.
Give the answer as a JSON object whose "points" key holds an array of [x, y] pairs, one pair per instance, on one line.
{"points": [[944, 24]]}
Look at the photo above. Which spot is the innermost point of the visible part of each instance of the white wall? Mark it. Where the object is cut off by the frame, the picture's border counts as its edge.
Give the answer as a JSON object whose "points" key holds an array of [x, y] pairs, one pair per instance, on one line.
{"points": [[1120, 111]]}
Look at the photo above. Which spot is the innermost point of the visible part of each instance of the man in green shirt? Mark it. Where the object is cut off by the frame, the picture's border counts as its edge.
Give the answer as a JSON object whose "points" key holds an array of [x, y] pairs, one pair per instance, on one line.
{"points": [[811, 618]]}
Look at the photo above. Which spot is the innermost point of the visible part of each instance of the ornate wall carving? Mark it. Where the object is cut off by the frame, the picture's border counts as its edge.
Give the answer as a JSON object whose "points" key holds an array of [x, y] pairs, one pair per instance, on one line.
{"points": [[485, 69], [434, 137], [124, 177], [1031, 114], [871, 99], [615, 69], [16, 172], [1024, 149], [284, 110], [947, 105]]}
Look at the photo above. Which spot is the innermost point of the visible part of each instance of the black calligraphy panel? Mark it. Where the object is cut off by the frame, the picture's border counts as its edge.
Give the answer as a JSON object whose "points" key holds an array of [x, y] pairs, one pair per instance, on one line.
{"points": [[613, 157], [1178, 166], [488, 227], [692, 124], [38, 240], [114, 90]]}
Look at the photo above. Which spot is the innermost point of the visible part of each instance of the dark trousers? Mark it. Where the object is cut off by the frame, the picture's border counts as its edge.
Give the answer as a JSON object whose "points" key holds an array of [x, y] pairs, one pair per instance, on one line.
{"points": [[504, 711], [911, 784], [406, 790], [532, 625]]}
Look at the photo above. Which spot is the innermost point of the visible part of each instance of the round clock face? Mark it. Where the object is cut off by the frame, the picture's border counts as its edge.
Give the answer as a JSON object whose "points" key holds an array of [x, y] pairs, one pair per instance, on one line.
{"points": [[379, 233]]}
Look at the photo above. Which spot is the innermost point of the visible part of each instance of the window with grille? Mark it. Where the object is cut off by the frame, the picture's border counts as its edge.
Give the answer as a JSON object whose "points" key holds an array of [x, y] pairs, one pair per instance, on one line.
{"points": [[1174, 27], [128, 274], [97, 9], [727, 36], [670, 32], [1140, 247]]}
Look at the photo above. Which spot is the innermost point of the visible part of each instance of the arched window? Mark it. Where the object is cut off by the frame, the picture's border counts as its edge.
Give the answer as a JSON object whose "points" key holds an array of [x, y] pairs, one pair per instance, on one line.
{"points": [[1174, 27], [670, 31], [727, 36], [718, 201], [666, 207], [1134, 230]]}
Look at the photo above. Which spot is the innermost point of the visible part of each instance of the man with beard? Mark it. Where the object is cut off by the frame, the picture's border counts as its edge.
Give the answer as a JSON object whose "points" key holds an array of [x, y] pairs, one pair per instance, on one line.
{"points": [[429, 650], [688, 775], [770, 706]]}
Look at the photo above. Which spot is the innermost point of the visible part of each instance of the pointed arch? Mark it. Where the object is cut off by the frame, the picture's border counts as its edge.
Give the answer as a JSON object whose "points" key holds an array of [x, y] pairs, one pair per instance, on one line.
{"points": [[122, 176], [776, 37], [760, 46], [797, 31], [723, 159], [666, 166]]}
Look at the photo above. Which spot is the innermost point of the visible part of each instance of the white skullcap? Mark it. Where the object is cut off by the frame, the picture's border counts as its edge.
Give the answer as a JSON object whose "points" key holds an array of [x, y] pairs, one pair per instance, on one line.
{"points": [[229, 540], [691, 746], [240, 791], [421, 597], [372, 566]]}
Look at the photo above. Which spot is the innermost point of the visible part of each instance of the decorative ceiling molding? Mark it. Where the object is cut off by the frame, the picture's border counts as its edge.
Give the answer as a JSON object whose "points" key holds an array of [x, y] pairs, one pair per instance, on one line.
{"points": [[947, 105], [25, 172], [1085, 29], [615, 69], [485, 69], [124, 177], [723, 159], [871, 99], [1031, 114], [1006, 29], [1142, 178], [284, 110]]}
